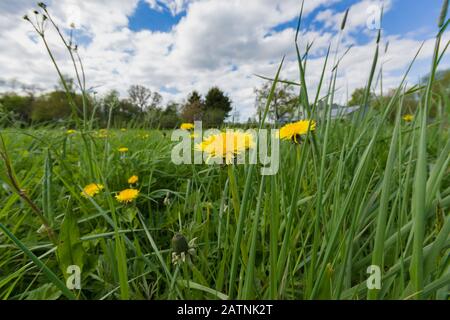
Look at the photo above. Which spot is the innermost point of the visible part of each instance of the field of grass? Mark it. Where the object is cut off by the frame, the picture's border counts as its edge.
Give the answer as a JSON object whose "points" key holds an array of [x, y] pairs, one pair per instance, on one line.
{"points": [[357, 192], [293, 243]]}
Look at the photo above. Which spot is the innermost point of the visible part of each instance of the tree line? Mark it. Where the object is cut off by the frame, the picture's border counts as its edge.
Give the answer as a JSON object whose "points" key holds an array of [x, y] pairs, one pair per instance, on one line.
{"points": [[141, 108], [144, 107]]}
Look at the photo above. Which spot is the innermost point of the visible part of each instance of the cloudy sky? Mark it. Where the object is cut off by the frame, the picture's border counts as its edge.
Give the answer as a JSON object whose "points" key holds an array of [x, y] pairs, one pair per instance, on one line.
{"points": [[176, 46]]}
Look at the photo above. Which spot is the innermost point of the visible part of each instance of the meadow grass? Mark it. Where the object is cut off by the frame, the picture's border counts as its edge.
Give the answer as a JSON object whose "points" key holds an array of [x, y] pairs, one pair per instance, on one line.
{"points": [[359, 191]]}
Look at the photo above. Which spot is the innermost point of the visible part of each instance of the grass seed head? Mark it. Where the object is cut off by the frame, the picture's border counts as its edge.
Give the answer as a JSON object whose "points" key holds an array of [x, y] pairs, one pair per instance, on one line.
{"points": [[443, 14]]}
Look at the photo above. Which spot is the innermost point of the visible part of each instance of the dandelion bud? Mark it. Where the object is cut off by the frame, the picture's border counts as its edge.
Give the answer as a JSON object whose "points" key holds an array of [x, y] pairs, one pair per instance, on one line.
{"points": [[35, 12], [443, 13], [25, 17], [42, 5], [179, 244], [44, 17]]}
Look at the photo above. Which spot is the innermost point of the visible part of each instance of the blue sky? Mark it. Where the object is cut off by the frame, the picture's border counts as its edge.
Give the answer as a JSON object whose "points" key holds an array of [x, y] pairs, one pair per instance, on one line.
{"points": [[147, 18], [404, 17], [176, 46]]}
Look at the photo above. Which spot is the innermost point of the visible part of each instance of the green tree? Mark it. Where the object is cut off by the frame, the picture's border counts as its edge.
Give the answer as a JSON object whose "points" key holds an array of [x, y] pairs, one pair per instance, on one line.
{"points": [[356, 98], [144, 98], [52, 106], [217, 107], [107, 104], [18, 106], [169, 117], [192, 110], [213, 117], [284, 102], [125, 112]]}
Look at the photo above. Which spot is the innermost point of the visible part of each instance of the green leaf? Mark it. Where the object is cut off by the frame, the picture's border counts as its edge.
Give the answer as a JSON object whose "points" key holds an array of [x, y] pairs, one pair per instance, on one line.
{"points": [[46, 292], [70, 249]]}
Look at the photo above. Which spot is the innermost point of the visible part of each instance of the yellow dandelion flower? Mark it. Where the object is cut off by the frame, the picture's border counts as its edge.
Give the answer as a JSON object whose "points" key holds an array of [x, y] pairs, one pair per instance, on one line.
{"points": [[123, 129], [294, 131], [123, 149], [408, 117], [91, 190], [127, 195], [226, 145], [187, 126], [133, 179], [71, 131]]}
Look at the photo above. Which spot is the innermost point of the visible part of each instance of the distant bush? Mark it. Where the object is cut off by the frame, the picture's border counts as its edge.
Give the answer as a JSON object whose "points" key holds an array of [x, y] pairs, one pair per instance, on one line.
{"points": [[19, 107]]}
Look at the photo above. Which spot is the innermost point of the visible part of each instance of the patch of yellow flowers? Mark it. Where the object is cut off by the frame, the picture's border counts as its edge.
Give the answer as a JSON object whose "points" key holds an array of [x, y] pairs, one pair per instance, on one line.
{"points": [[124, 196], [225, 145], [229, 144]]}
